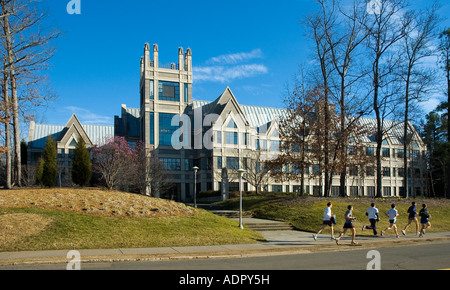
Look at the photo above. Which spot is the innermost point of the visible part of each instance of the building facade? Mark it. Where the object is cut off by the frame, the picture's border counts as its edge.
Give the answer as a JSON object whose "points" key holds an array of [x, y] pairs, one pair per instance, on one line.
{"points": [[221, 136]]}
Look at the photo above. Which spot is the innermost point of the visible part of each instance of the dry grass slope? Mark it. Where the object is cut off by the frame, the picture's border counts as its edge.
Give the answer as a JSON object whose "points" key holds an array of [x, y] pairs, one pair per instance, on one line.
{"points": [[94, 202]]}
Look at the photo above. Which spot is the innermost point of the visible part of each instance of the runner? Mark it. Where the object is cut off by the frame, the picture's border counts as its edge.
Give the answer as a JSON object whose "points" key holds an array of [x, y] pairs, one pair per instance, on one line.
{"points": [[424, 219], [349, 218], [412, 217], [374, 217], [392, 214], [327, 221]]}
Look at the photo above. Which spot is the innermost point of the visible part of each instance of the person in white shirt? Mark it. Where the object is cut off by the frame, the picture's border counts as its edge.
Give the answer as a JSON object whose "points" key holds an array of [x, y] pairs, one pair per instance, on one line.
{"points": [[327, 221], [373, 215], [392, 214]]}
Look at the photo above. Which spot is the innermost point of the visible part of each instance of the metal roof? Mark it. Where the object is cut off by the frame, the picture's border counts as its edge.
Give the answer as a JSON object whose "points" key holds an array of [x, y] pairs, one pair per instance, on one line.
{"points": [[259, 116], [97, 134], [256, 116]]}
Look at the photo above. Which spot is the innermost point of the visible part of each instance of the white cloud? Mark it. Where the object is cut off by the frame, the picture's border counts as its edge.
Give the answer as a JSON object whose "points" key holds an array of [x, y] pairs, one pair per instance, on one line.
{"points": [[227, 67], [236, 57], [225, 74], [87, 117]]}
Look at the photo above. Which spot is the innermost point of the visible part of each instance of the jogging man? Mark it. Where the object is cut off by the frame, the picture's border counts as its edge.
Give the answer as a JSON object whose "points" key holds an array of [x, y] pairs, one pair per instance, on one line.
{"points": [[373, 215], [392, 214], [327, 221], [349, 218], [412, 211], [424, 219]]}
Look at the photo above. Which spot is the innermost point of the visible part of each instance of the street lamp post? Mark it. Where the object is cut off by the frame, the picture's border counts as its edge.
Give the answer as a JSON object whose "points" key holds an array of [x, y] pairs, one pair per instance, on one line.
{"points": [[240, 171], [195, 185]]}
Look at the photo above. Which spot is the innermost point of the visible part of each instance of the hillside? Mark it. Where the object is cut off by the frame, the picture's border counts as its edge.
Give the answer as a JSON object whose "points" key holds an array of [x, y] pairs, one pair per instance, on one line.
{"points": [[94, 202], [65, 218]]}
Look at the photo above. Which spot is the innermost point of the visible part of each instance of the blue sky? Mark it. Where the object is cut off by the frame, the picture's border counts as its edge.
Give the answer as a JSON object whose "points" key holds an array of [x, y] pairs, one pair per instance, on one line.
{"points": [[254, 47]]}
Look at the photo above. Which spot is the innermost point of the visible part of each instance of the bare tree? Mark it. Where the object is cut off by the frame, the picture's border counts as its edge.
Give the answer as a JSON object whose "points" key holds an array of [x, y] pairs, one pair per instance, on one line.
{"points": [[345, 40], [318, 25], [417, 79], [24, 51], [6, 120], [385, 29], [444, 48], [112, 160], [257, 170], [149, 177]]}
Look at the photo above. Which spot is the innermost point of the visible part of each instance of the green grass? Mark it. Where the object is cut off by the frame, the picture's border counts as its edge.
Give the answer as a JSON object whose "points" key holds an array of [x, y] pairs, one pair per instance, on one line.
{"points": [[71, 230], [306, 213]]}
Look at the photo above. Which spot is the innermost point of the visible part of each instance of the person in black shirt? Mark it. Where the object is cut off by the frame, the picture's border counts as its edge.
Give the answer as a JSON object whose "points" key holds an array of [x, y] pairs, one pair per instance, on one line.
{"points": [[412, 211], [424, 219]]}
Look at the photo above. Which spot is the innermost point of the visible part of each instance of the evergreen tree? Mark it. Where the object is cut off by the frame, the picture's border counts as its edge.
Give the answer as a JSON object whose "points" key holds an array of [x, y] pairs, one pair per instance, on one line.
{"points": [[40, 171], [81, 164], [50, 164]]}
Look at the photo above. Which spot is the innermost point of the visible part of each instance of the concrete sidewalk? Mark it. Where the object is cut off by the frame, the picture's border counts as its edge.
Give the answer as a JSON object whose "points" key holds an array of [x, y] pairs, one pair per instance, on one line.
{"points": [[277, 243]]}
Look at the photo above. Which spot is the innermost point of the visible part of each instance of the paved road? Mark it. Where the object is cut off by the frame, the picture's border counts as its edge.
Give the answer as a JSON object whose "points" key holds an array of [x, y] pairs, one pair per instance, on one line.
{"points": [[431, 256]]}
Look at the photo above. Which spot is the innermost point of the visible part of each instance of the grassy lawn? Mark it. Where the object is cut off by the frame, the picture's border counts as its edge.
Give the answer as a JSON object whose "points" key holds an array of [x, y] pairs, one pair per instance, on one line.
{"points": [[37, 228], [306, 213]]}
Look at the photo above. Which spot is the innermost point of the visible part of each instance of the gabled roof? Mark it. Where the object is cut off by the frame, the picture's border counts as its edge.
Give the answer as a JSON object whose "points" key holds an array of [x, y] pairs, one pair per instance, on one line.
{"points": [[39, 132], [74, 127], [226, 102]]}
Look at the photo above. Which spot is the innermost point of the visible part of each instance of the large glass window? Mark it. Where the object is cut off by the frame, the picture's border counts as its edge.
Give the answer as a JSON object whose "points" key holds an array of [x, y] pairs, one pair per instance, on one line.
{"points": [[173, 164], [166, 130], [275, 146], [152, 90], [231, 138], [232, 162], [152, 128], [169, 91], [186, 93]]}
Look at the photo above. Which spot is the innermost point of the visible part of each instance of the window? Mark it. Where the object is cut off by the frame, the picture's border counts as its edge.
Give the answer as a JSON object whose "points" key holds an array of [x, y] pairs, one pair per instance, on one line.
{"points": [[371, 190], [386, 171], [370, 151], [152, 90], [169, 91], [187, 164], [152, 128], [219, 162], [219, 137], [353, 171], [232, 124], [386, 152], [231, 138], [186, 93], [166, 130], [370, 171], [316, 169], [244, 139], [335, 191], [275, 146], [354, 191], [172, 164], [297, 188], [386, 191], [277, 188], [232, 162], [400, 153]]}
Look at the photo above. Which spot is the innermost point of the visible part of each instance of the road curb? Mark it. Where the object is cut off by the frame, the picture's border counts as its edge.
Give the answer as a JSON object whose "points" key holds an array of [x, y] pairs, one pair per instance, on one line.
{"points": [[203, 252]]}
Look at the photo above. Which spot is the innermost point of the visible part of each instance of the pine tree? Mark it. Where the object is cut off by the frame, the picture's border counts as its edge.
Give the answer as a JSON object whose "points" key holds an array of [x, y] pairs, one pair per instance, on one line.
{"points": [[40, 171], [50, 164], [81, 164]]}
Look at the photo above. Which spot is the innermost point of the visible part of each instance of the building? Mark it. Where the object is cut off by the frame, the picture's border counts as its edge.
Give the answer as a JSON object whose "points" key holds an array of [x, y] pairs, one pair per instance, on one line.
{"points": [[66, 138], [221, 136]]}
